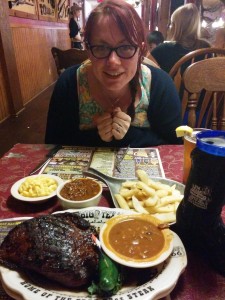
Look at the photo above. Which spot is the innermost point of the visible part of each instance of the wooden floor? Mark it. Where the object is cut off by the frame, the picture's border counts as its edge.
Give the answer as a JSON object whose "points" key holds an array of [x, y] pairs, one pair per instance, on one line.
{"points": [[29, 126]]}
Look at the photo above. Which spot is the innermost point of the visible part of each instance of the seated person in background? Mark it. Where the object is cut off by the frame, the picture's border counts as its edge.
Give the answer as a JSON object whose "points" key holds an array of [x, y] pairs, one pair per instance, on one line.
{"points": [[114, 100], [154, 38], [184, 37]]}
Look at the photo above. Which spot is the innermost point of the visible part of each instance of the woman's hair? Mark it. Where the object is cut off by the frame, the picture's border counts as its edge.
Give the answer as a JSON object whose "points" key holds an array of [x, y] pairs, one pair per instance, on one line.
{"points": [[74, 9], [185, 26], [125, 16], [130, 24]]}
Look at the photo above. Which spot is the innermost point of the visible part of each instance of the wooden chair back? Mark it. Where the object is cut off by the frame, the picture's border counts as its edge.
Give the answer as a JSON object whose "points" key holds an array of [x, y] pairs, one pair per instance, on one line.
{"points": [[67, 58], [148, 61], [208, 107], [178, 69]]}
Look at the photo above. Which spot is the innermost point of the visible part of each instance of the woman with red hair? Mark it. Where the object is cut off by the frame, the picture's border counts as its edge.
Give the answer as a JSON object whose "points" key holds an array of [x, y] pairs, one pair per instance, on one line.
{"points": [[114, 99]]}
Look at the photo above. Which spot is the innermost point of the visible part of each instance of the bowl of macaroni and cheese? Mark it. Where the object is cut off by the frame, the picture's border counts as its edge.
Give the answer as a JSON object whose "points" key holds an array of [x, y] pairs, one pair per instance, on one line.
{"points": [[36, 188], [79, 193]]}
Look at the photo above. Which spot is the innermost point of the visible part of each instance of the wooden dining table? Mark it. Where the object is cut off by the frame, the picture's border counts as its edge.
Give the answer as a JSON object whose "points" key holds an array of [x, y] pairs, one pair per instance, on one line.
{"points": [[198, 281]]}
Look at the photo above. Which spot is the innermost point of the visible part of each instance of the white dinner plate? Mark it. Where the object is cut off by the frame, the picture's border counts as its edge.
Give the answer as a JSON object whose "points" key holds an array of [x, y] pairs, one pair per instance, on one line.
{"points": [[158, 283], [18, 196]]}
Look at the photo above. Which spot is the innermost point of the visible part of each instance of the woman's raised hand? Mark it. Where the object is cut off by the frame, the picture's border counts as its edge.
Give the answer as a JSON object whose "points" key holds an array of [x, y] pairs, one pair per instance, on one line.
{"points": [[104, 125], [120, 123], [115, 124]]}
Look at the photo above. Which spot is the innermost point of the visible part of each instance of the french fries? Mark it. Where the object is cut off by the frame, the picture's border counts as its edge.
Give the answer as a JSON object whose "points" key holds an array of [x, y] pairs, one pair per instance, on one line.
{"points": [[150, 197], [37, 187]]}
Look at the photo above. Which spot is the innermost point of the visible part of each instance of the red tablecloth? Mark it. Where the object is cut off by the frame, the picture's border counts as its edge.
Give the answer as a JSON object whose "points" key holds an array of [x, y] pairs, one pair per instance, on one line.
{"points": [[198, 282], [22, 159]]}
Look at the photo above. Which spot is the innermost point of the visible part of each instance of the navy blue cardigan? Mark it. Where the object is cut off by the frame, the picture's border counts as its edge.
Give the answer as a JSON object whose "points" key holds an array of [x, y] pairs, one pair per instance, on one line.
{"points": [[164, 114]]}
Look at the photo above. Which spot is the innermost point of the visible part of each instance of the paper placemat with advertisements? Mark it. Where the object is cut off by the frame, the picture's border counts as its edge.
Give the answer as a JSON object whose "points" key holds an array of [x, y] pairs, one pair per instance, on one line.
{"points": [[69, 162]]}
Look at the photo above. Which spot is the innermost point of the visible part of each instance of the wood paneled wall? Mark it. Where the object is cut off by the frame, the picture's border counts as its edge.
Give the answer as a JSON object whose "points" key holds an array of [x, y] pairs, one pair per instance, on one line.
{"points": [[32, 43], [35, 64]]}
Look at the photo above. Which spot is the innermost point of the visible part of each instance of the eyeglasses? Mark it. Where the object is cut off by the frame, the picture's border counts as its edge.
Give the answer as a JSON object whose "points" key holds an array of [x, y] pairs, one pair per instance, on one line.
{"points": [[124, 51]]}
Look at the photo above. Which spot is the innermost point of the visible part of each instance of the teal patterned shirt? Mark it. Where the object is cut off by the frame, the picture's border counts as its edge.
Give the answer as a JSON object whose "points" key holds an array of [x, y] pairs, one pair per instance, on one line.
{"points": [[89, 107]]}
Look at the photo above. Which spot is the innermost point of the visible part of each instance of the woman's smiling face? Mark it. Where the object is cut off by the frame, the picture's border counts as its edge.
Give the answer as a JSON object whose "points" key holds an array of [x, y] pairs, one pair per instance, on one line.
{"points": [[113, 72]]}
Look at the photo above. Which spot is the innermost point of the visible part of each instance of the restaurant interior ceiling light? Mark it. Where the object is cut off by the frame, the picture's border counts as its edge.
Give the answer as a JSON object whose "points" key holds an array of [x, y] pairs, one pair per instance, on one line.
{"points": [[204, 24], [218, 23], [135, 3]]}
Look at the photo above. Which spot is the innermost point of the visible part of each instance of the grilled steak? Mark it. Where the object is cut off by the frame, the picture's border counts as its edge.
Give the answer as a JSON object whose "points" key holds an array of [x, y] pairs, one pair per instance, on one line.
{"points": [[58, 247]]}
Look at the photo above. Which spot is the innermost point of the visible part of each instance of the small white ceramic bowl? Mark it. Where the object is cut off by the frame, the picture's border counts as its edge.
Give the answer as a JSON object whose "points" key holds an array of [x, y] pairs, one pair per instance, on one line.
{"points": [[34, 200], [92, 201]]}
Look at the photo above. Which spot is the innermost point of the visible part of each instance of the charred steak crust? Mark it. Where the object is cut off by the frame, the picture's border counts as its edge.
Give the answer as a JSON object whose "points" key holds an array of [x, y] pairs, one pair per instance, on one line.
{"points": [[58, 247]]}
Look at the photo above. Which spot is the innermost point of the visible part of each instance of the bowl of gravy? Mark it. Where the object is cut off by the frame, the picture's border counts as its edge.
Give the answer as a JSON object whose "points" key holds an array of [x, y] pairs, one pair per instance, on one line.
{"points": [[136, 240]]}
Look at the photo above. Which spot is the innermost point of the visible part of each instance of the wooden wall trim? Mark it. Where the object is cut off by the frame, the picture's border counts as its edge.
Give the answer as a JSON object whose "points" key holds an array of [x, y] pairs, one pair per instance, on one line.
{"points": [[21, 22], [37, 26], [9, 61]]}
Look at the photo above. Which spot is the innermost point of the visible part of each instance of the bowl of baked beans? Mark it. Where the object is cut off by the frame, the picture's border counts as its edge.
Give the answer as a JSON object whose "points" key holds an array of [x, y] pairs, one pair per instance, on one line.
{"points": [[79, 193]]}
